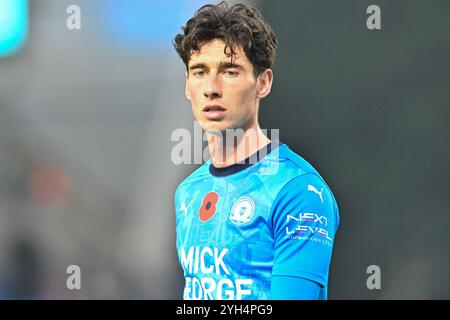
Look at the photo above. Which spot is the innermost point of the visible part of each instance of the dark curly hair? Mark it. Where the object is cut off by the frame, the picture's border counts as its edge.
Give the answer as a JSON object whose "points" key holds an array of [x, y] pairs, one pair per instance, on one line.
{"points": [[239, 25]]}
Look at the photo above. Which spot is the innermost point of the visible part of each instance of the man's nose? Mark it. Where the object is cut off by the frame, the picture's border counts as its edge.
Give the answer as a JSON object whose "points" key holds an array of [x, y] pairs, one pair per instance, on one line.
{"points": [[212, 88]]}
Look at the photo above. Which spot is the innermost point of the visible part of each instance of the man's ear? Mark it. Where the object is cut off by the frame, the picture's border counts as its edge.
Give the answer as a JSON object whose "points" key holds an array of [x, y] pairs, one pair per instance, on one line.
{"points": [[265, 80], [186, 91]]}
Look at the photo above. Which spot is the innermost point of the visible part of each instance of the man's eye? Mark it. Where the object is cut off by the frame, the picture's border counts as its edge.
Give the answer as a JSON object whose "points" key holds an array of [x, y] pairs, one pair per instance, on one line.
{"points": [[232, 74], [199, 73]]}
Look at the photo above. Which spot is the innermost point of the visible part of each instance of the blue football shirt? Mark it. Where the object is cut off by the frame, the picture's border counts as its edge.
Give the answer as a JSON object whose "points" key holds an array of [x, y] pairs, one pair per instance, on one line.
{"points": [[238, 226]]}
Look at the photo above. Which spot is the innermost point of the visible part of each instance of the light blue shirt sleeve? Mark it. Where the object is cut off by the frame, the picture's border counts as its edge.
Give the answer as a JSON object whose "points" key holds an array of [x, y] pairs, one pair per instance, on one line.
{"points": [[305, 219]]}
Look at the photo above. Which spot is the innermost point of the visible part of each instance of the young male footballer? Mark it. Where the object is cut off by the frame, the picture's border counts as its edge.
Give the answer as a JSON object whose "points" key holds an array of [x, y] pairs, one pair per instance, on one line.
{"points": [[256, 221]]}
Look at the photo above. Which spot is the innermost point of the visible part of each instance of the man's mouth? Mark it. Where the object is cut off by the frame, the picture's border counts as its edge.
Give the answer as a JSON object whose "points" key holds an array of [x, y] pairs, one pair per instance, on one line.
{"points": [[214, 107], [214, 112]]}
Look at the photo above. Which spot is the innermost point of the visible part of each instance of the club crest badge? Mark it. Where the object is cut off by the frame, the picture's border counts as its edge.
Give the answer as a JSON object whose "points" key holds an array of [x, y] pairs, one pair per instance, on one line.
{"points": [[242, 211]]}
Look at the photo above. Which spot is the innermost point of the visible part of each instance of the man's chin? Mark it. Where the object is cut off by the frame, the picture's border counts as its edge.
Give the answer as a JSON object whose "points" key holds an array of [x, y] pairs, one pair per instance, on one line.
{"points": [[215, 127]]}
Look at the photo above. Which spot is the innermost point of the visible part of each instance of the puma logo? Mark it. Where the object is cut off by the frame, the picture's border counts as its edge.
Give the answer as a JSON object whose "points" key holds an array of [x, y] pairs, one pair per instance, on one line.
{"points": [[313, 189], [184, 208]]}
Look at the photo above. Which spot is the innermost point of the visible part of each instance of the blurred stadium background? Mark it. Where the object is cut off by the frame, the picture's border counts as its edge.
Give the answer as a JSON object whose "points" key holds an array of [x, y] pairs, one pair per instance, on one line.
{"points": [[86, 118]]}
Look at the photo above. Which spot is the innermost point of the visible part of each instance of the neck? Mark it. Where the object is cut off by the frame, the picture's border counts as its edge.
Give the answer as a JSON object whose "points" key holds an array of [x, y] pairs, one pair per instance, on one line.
{"points": [[233, 146]]}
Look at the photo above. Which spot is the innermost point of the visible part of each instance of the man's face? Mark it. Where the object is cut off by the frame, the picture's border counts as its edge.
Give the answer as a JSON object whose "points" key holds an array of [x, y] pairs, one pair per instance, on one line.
{"points": [[223, 94]]}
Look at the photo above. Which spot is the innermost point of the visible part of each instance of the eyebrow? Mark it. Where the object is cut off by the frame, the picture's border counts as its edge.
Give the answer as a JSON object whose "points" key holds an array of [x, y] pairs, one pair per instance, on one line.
{"points": [[197, 66], [223, 65], [228, 65]]}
